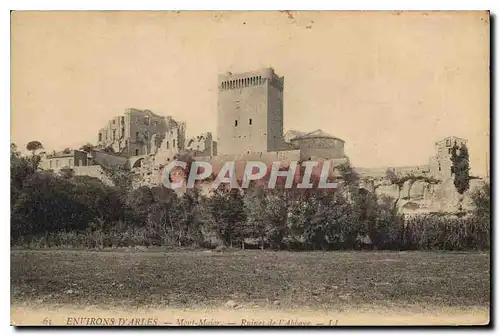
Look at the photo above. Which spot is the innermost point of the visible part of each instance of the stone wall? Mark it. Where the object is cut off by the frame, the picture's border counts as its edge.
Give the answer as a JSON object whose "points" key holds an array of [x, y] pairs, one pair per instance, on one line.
{"points": [[201, 145], [169, 147], [93, 171]]}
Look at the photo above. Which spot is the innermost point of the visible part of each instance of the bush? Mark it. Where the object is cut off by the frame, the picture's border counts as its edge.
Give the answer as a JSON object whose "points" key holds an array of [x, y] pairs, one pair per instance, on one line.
{"points": [[80, 211]]}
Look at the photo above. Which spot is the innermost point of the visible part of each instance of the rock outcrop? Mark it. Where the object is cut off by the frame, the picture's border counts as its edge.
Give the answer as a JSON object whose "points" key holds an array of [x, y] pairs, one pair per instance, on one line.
{"points": [[422, 196]]}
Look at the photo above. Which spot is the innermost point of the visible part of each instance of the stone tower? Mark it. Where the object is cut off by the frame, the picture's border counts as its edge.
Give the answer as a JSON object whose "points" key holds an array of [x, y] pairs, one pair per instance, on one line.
{"points": [[250, 112], [441, 165]]}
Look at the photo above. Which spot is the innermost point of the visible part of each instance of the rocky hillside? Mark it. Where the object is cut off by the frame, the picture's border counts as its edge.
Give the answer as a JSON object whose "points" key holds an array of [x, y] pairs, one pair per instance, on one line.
{"points": [[421, 196]]}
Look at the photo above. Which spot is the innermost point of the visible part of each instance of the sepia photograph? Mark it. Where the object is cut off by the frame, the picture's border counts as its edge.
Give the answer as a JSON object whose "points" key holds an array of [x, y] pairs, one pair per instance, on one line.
{"points": [[250, 168]]}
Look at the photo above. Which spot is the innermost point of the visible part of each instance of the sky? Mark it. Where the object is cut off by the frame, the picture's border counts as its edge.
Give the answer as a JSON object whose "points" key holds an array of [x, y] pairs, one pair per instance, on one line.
{"points": [[390, 84]]}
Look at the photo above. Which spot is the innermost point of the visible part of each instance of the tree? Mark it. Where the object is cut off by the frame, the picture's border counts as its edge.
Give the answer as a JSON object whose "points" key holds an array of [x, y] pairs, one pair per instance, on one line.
{"points": [[276, 213], [460, 167], [88, 147], [481, 200], [254, 203], [108, 149], [348, 174], [47, 203], [121, 177], [14, 151], [190, 219], [33, 146], [104, 203], [227, 218], [140, 201], [66, 172], [391, 176], [386, 226], [21, 168]]}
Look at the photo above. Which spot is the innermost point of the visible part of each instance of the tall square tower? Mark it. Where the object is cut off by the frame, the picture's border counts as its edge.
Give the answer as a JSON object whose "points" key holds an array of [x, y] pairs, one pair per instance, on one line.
{"points": [[440, 164], [250, 112]]}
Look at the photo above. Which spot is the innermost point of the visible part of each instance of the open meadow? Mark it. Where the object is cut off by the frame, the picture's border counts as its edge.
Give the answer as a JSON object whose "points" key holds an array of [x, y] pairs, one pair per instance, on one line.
{"points": [[247, 278]]}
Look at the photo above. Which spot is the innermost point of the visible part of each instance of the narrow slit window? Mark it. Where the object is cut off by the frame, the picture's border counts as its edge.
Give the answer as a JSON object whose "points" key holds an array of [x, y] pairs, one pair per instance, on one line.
{"points": [[236, 123], [250, 121]]}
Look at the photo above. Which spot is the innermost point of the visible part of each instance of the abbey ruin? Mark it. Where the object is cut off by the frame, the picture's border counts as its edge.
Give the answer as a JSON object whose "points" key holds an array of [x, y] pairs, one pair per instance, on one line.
{"points": [[250, 127]]}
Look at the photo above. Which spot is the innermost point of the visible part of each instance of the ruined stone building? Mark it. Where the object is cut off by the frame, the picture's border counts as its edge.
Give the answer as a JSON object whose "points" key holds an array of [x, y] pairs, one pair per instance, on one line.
{"points": [[440, 165], [202, 145], [250, 114], [138, 132]]}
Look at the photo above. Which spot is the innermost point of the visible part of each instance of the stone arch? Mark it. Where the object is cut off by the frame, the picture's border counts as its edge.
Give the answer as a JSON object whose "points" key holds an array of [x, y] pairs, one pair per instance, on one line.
{"points": [[138, 163], [410, 206]]}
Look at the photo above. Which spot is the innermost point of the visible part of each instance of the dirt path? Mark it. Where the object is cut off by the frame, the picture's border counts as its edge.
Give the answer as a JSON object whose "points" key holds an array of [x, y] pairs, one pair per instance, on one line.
{"points": [[86, 316]]}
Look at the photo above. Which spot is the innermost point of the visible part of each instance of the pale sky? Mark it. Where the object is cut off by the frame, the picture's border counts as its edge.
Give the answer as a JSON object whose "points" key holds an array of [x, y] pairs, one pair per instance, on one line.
{"points": [[389, 84]]}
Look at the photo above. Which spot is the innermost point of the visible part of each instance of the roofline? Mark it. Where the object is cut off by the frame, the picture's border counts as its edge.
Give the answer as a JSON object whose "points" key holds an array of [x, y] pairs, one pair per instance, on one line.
{"points": [[449, 137], [61, 155], [318, 137], [305, 136], [129, 109]]}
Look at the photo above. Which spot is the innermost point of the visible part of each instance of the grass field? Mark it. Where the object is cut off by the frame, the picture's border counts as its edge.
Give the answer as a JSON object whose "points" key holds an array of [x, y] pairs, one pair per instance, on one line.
{"points": [[251, 279]]}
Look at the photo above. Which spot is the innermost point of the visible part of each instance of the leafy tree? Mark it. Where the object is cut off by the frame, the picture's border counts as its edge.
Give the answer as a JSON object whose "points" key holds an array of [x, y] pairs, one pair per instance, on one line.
{"points": [[108, 149], [254, 203], [14, 151], [140, 201], [178, 220], [104, 203], [481, 200], [33, 146], [386, 226], [66, 172], [190, 218], [348, 174], [276, 213], [88, 147], [21, 168], [391, 176], [121, 177], [47, 203], [227, 215], [317, 219], [163, 219], [460, 167]]}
